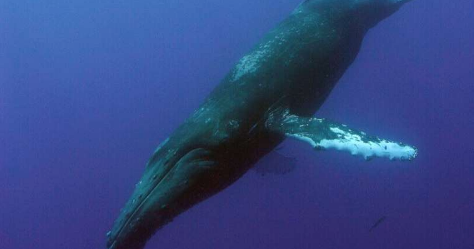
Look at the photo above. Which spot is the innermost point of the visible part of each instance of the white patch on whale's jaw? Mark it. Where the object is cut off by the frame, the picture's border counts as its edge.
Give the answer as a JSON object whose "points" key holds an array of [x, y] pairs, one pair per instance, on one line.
{"points": [[251, 62], [248, 64]]}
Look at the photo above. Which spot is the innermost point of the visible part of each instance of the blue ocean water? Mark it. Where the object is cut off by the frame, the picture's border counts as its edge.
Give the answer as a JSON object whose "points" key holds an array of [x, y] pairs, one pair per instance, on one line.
{"points": [[88, 89]]}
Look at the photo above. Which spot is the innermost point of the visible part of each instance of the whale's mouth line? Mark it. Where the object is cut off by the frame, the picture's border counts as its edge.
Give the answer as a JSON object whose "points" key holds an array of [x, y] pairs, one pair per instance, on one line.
{"points": [[175, 161], [113, 244], [132, 215]]}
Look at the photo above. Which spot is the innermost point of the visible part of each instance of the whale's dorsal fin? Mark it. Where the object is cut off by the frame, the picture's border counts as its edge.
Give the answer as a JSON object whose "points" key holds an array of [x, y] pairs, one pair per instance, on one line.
{"points": [[323, 134]]}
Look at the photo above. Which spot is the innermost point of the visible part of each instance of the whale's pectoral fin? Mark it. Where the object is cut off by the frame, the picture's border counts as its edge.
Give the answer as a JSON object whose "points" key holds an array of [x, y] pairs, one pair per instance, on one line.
{"points": [[323, 134]]}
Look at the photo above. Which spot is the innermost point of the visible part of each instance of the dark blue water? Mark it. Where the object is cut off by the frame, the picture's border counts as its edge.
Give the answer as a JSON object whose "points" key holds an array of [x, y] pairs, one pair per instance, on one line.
{"points": [[89, 88]]}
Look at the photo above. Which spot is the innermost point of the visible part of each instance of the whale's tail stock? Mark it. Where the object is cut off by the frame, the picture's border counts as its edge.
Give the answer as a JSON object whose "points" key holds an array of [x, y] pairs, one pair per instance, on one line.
{"points": [[367, 13]]}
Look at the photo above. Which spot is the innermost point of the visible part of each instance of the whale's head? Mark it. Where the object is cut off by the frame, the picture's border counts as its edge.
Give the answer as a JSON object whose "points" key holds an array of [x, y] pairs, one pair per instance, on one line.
{"points": [[174, 180]]}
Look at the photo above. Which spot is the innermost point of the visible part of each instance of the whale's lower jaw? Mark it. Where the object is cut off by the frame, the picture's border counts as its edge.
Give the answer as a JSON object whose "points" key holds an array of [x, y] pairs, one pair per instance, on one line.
{"points": [[162, 192], [197, 175], [114, 246]]}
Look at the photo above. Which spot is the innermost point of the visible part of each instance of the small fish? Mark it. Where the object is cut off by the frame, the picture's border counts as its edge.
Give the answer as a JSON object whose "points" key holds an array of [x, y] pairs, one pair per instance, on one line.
{"points": [[279, 148], [275, 163], [377, 223]]}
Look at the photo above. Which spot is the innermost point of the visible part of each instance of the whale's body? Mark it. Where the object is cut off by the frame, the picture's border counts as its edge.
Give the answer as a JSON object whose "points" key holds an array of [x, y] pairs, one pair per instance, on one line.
{"points": [[270, 94]]}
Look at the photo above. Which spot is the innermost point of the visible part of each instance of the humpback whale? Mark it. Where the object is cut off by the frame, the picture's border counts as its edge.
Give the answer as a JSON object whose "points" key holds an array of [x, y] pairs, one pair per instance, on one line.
{"points": [[271, 94]]}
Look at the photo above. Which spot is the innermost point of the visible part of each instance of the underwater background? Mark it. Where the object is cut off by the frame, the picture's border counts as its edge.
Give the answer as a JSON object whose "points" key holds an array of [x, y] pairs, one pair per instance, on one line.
{"points": [[88, 89]]}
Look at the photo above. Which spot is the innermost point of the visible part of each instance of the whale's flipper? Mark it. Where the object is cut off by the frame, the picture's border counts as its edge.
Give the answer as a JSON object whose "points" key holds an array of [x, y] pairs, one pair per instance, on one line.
{"points": [[323, 134]]}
